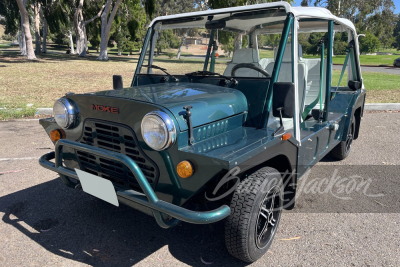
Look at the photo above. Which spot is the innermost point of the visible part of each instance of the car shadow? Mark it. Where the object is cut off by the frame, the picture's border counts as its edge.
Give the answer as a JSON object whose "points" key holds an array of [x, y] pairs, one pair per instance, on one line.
{"points": [[328, 158], [77, 226]]}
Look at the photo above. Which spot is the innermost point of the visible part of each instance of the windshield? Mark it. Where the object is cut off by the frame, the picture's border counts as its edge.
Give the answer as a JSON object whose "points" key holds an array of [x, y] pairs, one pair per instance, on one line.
{"points": [[186, 45]]}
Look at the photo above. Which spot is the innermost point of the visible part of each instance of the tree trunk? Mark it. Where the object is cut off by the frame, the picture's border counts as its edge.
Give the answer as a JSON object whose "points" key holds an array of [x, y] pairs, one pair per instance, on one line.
{"points": [[19, 40], [106, 27], [238, 41], [30, 54], [84, 42], [23, 41], [71, 42], [78, 25], [119, 52], [103, 46], [38, 49], [178, 56], [45, 30]]}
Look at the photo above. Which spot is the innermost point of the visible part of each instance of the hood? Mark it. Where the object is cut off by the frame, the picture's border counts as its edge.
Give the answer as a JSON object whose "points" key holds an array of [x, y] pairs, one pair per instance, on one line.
{"points": [[210, 102]]}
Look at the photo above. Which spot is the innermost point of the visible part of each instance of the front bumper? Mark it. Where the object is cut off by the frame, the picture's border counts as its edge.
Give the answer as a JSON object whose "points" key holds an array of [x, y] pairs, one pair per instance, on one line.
{"points": [[130, 197]]}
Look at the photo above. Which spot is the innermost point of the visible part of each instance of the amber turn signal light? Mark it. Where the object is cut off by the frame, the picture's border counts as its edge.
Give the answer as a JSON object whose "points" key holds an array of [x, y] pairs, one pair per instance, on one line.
{"points": [[216, 55], [184, 169], [56, 135], [286, 136]]}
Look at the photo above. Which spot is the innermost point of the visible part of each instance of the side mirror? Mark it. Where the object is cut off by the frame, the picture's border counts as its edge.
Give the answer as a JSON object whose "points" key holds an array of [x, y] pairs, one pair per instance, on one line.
{"points": [[117, 82], [283, 102]]}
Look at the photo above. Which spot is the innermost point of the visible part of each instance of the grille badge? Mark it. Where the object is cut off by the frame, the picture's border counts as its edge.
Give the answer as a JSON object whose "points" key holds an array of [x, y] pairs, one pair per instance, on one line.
{"points": [[105, 108]]}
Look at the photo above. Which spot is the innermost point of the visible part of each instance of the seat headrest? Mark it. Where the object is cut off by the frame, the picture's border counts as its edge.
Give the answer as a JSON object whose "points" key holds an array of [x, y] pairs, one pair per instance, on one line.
{"points": [[287, 55], [248, 55]]}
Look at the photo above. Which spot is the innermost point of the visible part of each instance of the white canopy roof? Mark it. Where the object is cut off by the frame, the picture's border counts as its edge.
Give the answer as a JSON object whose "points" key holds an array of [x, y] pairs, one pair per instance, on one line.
{"points": [[298, 12]]}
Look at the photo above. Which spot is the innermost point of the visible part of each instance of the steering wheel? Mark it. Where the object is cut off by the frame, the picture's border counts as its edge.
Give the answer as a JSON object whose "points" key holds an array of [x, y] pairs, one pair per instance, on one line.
{"points": [[249, 66]]}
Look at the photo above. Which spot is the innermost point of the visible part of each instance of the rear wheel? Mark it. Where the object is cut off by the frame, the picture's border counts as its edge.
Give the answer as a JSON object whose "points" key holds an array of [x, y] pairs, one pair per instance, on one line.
{"points": [[256, 209], [342, 150]]}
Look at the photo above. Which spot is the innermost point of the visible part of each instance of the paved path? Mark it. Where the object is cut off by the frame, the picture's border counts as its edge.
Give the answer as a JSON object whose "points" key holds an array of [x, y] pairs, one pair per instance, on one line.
{"points": [[44, 223], [373, 69]]}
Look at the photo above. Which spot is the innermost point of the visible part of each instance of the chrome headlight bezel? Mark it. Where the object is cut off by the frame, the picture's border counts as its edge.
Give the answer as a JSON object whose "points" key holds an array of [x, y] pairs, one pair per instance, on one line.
{"points": [[168, 125], [70, 111]]}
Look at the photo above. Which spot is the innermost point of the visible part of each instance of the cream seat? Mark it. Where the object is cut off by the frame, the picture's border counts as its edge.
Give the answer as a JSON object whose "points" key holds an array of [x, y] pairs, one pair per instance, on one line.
{"points": [[313, 82], [285, 75], [247, 55]]}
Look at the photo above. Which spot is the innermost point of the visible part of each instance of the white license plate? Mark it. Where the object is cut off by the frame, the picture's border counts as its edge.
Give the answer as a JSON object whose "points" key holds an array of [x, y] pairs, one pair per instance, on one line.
{"points": [[98, 187]]}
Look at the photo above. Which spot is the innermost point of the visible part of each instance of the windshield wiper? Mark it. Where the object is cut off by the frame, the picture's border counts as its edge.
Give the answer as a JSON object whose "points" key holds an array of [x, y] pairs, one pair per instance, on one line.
{"points": [[209, 73], [163, 70]]}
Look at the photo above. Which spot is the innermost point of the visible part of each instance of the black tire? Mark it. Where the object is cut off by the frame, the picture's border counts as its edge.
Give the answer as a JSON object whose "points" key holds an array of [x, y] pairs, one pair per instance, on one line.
{"points": [[342, 150], [245, 225]]}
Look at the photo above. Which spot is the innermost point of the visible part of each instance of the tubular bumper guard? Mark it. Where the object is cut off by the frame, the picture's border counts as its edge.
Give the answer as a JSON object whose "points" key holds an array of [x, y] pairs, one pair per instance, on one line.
{"points": [[148, 199]]}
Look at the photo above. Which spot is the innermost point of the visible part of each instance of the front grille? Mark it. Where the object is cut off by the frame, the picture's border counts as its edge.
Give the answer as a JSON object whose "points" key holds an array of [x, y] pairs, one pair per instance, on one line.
{"points": [[121, 139]]}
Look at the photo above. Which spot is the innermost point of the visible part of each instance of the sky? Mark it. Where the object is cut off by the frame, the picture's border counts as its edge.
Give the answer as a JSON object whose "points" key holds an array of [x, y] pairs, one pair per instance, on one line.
{"points": [[396, 4]]}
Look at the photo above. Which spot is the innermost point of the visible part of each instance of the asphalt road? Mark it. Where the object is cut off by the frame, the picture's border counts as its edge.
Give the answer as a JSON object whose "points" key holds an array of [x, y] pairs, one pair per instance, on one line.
{"points": [[391, 70], [45, 223]]}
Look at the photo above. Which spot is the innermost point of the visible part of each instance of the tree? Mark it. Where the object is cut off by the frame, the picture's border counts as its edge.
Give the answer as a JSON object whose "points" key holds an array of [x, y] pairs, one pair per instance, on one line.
{"points": [[80, 29], [214, 4], [226, 39], [178, 56], [129, 26], [369, 43], [166, 39], [57, 19], [396, 33], [170, 7], [340, 43], [10, 10], [106, 22], [45, 30], [37, 8], [109, 13], [30, 54], [375, 16], [313, 40]]}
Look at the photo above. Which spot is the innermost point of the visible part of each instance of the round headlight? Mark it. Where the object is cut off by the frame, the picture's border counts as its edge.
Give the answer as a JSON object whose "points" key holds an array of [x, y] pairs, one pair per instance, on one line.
{"points": [[158, 130], [65, 113]]}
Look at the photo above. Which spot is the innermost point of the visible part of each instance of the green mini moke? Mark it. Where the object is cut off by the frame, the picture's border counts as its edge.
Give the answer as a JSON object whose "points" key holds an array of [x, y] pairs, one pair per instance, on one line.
{"points": [[225, 128]]}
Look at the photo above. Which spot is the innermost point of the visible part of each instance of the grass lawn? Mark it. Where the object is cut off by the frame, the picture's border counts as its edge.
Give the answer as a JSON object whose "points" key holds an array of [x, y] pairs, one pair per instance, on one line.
{"points": [[390, 50], [374, 60], [43, 81]]}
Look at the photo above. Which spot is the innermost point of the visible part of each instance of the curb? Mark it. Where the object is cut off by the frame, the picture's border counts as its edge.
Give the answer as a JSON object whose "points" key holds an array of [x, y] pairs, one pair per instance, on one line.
{"points": [[44, 111], [382, 106], [373, 106]]}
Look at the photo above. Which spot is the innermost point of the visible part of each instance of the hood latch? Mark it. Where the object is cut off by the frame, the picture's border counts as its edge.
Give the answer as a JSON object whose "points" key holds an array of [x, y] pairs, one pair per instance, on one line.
{"points": [[187, 116]]}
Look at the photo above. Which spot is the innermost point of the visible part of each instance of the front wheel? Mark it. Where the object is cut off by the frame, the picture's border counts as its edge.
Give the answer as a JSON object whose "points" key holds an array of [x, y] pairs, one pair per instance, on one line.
{"points": [[256, 209]]}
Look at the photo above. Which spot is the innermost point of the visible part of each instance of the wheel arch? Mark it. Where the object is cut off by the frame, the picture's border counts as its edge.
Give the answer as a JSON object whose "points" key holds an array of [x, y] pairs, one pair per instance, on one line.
{"points": [[358, 112], [282, 163], [357, 117]]}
